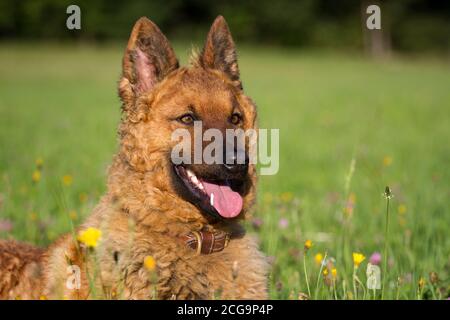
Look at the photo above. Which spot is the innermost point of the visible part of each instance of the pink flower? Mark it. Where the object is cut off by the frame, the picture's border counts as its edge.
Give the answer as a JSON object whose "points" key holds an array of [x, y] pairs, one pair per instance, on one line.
{"points": [[271, 260], [283, 223], [257, 223], [408, 278], [5, 226], [375, 258]]}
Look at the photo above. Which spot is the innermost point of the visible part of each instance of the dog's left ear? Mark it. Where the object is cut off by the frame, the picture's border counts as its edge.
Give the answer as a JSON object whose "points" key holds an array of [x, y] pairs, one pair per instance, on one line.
{"points": [[219, 51], [148, 58]]}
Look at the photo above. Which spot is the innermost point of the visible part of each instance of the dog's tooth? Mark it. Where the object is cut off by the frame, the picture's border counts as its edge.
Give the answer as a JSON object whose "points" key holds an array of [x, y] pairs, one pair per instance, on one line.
{"points": [[195, 180], [212, 199], [190, 173]]}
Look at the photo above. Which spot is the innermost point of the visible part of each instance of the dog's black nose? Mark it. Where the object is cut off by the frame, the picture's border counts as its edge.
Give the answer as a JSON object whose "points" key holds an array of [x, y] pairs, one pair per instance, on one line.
{"points": [[236, 161]]}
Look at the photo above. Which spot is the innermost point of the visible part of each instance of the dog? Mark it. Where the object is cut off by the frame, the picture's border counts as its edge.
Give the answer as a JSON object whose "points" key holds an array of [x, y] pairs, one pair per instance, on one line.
{"points": [[162, 236]]}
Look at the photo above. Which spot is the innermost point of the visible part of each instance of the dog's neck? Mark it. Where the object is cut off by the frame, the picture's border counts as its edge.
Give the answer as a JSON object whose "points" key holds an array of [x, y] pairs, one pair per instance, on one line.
{"points": [[210, 240]]}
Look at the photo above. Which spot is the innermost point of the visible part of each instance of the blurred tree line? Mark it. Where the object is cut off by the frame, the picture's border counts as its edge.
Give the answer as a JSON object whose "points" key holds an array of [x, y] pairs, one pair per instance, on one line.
{"points": [[407, 25]]}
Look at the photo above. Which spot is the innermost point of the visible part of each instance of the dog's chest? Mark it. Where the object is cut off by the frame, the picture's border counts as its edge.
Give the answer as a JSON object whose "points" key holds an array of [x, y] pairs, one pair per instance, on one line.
{"points": [[179, 271], [194, 276]]}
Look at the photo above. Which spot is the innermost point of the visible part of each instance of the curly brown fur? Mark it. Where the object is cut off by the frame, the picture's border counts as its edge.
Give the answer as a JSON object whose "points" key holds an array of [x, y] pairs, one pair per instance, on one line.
{"points": [[143, 213], [20, 270]]}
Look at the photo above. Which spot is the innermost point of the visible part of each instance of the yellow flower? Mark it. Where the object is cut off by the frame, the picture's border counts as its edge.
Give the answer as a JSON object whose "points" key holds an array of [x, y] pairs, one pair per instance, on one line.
{"points": [[286, 196], [39, 163], [318, 258], [267, 198], [42, 298], [67, 180], [83, 197], [325, 272], [348, 211], [401, 221], [352, 197], [334, 273], [36, 177], [357, 259], [150, 263], [73, 215], [387, 161], [90, 237], [308, 244], [401, 209], [422, 282], [33, 216]]}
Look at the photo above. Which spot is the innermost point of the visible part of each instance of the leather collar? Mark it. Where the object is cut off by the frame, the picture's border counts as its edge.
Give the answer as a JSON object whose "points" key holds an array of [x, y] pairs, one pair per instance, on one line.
{"points": [[207, 242]]}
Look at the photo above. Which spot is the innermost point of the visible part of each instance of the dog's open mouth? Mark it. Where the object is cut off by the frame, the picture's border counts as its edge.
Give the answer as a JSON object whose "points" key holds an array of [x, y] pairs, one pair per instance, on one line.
{"points": [[217, 197]]}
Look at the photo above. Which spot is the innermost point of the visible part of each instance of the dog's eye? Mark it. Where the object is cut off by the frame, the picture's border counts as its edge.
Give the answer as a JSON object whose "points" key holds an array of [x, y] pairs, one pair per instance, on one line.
{"points": [[235, 118], [187, 118]]}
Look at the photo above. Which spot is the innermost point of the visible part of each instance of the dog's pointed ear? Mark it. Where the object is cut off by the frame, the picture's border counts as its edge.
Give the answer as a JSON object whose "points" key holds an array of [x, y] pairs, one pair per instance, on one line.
{"points": [[148, 58], [219, 51]]}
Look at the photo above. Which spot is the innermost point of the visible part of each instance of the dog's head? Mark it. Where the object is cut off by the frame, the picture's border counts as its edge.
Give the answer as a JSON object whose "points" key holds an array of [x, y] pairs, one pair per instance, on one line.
{"points": [[160, 97]]}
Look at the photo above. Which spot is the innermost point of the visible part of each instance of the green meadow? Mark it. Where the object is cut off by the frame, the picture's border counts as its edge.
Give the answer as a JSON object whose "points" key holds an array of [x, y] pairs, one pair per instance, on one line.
{"points": [[349, 127]]}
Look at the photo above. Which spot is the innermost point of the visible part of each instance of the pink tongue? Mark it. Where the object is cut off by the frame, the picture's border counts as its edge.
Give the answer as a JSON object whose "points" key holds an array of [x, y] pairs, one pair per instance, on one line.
{"points": [[227, 202]]}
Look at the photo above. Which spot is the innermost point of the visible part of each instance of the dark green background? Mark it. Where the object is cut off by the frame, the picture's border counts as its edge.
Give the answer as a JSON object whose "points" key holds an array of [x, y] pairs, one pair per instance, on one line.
{"points": [[408, 25]]}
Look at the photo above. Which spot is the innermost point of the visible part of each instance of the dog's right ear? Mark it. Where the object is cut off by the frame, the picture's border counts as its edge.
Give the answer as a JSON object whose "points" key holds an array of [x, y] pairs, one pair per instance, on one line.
{"points": [[148, 58]]}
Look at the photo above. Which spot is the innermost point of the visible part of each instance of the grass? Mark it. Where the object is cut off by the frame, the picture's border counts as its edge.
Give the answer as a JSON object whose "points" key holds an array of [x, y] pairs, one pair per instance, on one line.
{"points": [[348, 128]]}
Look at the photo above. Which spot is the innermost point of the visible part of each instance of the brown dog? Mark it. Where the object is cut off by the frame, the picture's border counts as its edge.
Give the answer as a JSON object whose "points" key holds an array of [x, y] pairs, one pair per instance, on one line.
{"points": [[152, 207]]}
